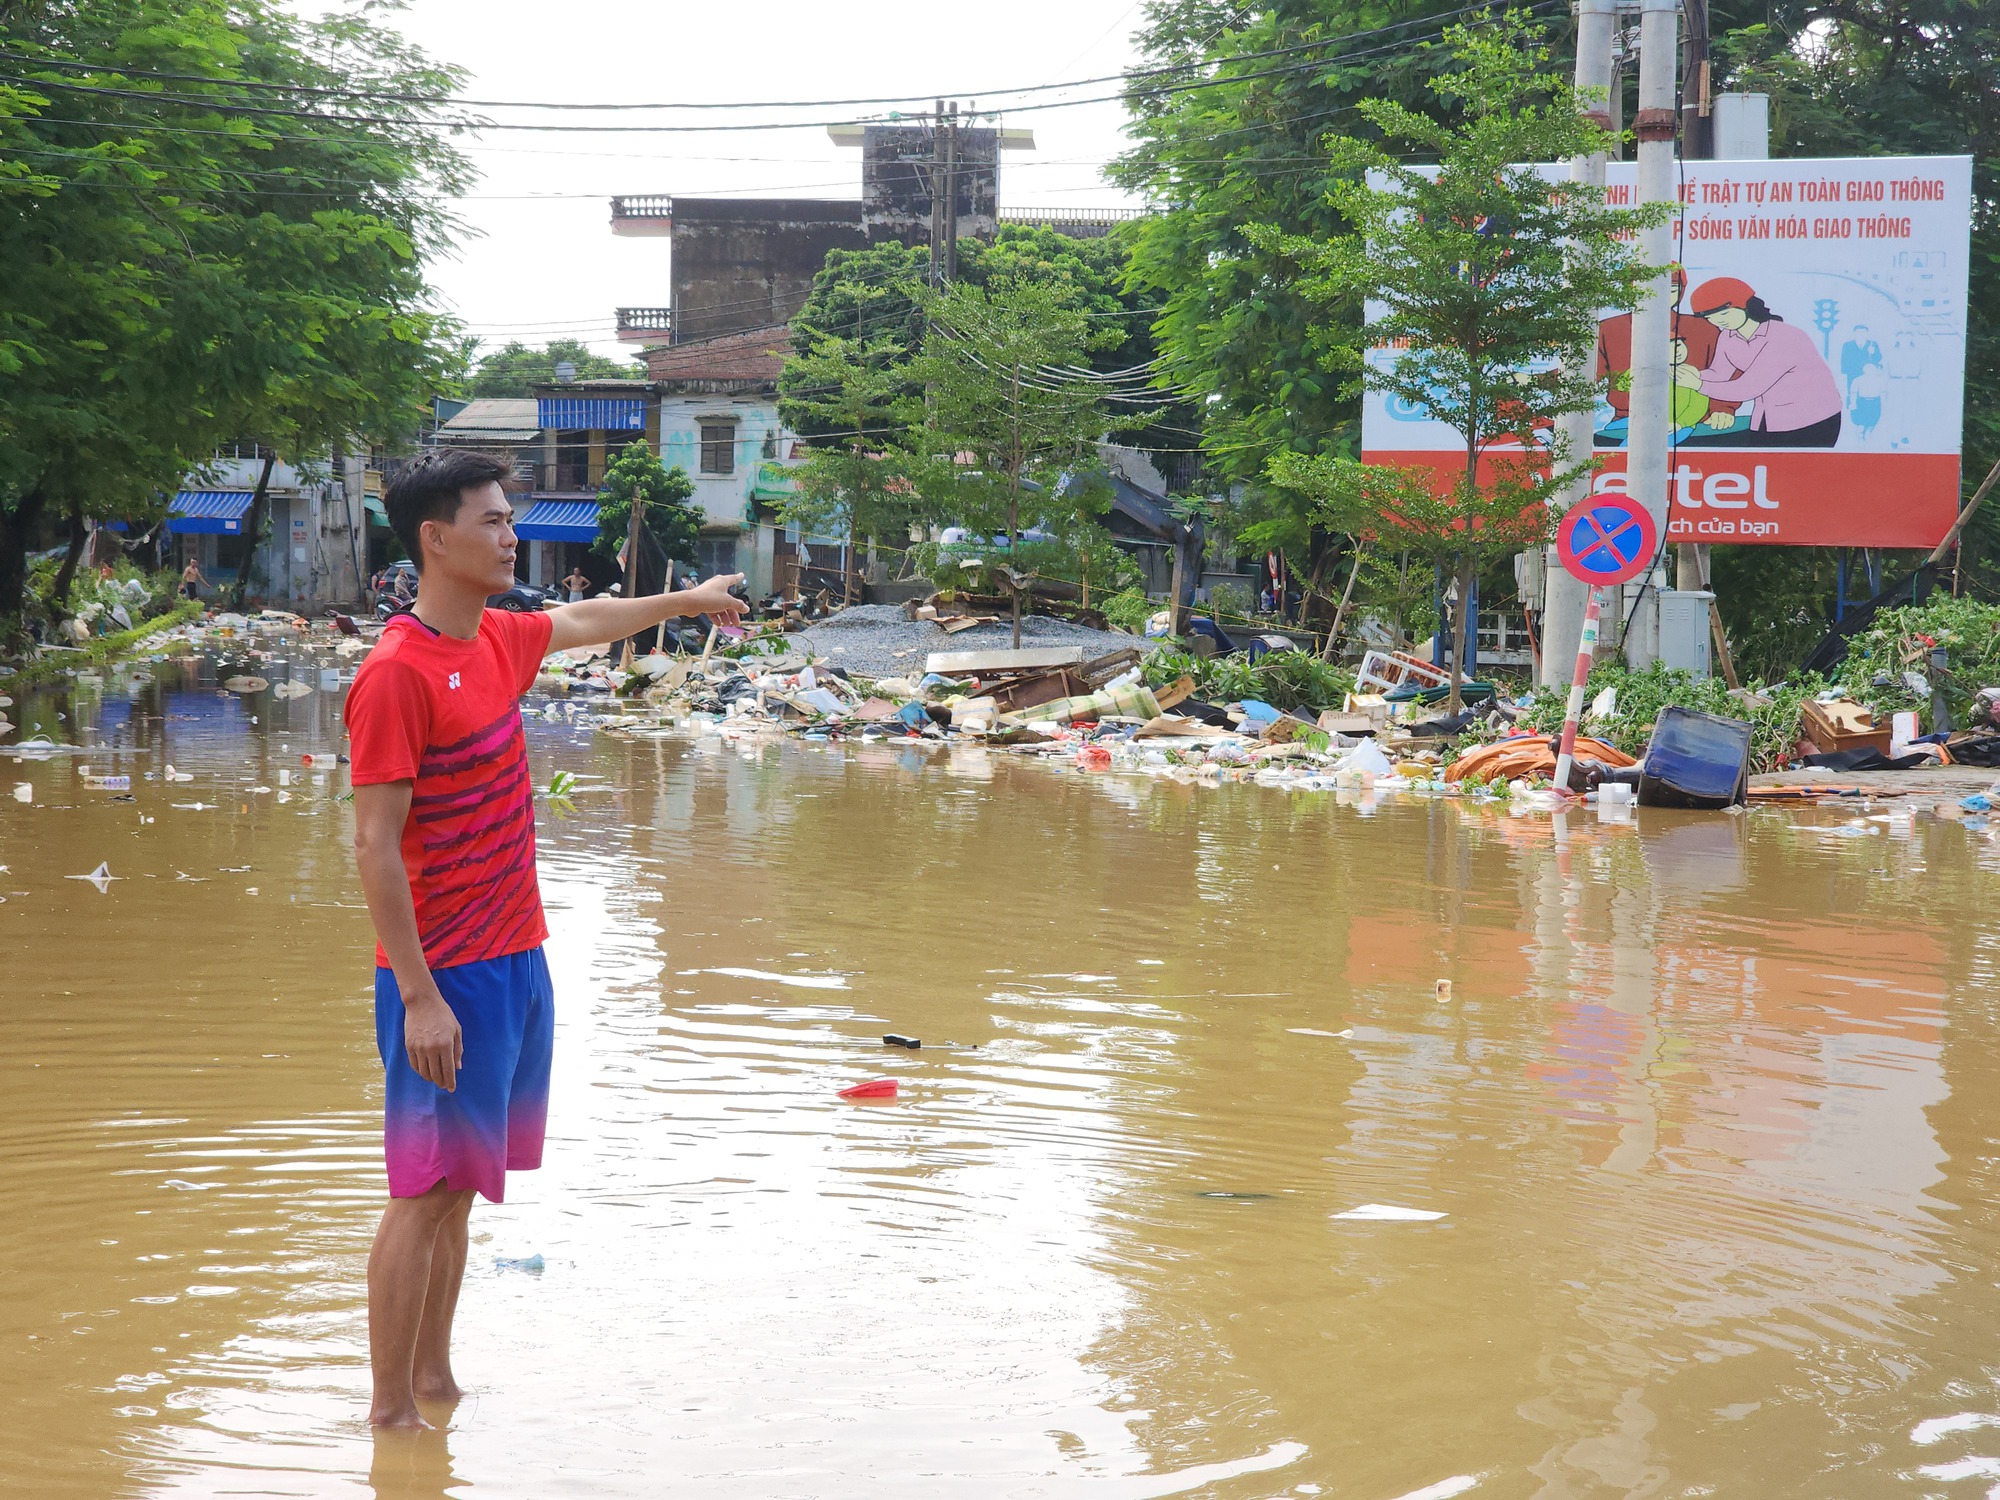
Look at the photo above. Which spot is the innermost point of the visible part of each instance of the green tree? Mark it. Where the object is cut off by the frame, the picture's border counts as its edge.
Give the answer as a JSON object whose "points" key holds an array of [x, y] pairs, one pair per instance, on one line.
{"points": [[1235, 326], [853, 481], [1011, 424], [515, 369], [876, 294], [1484, 270], [213, 255], [671, 525]]}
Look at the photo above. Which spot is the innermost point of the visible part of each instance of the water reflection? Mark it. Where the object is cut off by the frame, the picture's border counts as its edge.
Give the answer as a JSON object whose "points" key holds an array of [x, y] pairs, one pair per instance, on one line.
{"points": [[1706, 1114], [414, 1466]]}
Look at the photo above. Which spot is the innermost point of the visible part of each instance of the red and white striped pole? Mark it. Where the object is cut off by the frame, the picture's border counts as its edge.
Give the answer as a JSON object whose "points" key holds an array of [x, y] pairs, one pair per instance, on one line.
{"points": [[1586, 652]]}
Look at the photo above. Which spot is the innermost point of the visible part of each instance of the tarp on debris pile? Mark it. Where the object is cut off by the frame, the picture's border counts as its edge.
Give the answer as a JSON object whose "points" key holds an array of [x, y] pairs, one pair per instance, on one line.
{"points": [[1528, 755]]}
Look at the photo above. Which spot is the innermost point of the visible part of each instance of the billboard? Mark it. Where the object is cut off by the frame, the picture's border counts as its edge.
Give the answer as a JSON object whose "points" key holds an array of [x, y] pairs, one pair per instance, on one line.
{"points": [[1819, 355]]}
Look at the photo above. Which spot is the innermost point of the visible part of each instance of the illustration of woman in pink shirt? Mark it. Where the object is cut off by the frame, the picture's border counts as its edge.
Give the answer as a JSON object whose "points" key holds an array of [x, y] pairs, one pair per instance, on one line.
{"points": [[1760, 358]]}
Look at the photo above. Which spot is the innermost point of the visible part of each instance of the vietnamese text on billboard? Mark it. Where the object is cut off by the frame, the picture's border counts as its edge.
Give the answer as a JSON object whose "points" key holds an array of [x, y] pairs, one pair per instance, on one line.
{"points": [[1819, 355]]}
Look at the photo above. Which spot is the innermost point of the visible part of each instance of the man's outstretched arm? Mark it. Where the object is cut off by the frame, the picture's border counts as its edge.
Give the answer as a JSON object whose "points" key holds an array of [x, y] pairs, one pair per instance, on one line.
{"points": [[593, 622]]}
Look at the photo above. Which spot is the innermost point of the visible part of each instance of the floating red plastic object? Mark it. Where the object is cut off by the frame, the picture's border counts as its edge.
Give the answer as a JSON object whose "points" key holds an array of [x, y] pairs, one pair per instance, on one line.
{"points": [[874, 1088], [1094, 758]]}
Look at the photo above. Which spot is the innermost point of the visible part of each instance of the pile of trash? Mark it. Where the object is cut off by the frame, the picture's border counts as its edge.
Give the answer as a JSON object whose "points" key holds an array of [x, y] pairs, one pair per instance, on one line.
{"points": [[1093, 714]]}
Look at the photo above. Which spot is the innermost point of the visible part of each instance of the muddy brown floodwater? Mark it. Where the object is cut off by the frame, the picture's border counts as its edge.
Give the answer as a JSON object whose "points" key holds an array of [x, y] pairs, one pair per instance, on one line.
{"points": [[1709, 1117]]}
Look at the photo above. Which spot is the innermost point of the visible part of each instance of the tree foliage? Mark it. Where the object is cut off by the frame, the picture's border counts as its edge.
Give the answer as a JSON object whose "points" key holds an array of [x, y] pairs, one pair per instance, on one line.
{"points": [[195, 262], [668, 520], [1234, 325], [875, 296], [854, 481], [1008, 441], [1488, 281], [515, 368]]}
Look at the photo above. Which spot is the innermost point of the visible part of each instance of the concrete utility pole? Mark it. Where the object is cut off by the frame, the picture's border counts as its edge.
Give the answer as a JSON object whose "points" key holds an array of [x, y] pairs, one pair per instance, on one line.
{"points": [[1652, 390], [1563, 597], [951, 194], [1697, 144], [937, 195]]}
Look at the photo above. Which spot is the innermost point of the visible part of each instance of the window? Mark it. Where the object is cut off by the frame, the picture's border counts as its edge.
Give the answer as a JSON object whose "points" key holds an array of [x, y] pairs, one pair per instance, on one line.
{"points": [[718, 447], [715, 554]]}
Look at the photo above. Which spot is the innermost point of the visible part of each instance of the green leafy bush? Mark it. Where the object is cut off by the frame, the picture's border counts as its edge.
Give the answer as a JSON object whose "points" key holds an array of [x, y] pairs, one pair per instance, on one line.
{"points": [[974, 567], [1899, 641], [1130, 609], [1230, 603], [1283, 679], [92, 596], [1773, 712]]}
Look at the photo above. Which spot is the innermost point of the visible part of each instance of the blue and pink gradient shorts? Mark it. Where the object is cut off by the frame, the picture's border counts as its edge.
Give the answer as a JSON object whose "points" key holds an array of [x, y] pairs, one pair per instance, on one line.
{"points": [[493, 1122]]}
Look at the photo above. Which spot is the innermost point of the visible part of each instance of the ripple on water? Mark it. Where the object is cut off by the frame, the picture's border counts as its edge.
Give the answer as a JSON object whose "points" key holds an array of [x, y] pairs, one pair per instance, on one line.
{"points": [[1710, 1156]]}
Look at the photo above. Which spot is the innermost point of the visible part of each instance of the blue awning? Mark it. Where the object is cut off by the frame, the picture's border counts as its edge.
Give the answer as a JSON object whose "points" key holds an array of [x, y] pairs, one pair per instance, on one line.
{"points": [[606, 413], [559, 521], [209, 512]]}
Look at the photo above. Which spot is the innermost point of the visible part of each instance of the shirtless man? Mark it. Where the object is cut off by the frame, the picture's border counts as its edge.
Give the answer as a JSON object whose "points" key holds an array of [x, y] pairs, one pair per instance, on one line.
{"points": [[444, 835]]}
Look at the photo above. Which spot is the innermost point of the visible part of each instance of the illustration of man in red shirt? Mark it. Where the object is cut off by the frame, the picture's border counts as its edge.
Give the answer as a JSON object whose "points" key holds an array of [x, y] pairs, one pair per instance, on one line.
{"points": [[444, 835]]}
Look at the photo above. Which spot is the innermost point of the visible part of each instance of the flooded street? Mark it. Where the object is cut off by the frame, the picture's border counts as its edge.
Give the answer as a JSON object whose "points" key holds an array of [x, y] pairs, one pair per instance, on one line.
{"points": [[1708, 1112]]}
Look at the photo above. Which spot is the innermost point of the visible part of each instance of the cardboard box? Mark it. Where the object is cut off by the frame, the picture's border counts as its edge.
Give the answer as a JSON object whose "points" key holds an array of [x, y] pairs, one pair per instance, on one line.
{"points": [[1843, 725]]}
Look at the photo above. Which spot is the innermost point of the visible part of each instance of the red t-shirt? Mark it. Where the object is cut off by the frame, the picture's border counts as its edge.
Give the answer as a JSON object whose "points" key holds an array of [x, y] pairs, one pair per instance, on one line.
{"points": [[445, 714]]}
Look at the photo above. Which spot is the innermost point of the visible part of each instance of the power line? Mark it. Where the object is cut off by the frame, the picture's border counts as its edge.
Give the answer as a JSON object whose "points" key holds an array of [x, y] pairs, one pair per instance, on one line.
{"points": [[439, 101], [1127, 95]]}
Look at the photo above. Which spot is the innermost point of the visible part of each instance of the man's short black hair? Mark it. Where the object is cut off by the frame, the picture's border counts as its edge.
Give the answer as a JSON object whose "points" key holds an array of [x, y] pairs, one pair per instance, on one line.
{"points": [[432, 486]]}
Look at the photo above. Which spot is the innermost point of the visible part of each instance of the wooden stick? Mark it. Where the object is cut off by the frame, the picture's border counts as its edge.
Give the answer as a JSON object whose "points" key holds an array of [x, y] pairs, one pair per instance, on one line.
{"points": [[1978, 498]]}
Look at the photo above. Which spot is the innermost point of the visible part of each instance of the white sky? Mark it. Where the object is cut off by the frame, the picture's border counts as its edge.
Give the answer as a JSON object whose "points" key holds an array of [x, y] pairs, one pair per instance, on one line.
{"points": [[549, 266]]}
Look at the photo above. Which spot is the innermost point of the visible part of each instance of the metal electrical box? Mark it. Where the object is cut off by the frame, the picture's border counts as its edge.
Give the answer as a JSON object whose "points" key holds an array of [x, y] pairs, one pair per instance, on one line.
{"points": [[1684, 633]]}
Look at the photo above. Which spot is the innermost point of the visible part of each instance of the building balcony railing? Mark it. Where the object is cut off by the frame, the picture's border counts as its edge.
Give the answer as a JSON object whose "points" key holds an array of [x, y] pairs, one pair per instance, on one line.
{"points": [[1077, 223], [646, 325], [553, 479], [642, 214]]}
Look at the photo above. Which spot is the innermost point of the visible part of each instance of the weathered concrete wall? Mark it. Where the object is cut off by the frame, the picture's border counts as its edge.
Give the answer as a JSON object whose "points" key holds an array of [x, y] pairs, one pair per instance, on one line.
{"points": [[740, 265], [896, 183]]}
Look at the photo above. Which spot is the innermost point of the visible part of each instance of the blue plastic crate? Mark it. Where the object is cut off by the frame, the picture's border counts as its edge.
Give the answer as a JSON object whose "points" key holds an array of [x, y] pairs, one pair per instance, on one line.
{"points": [[1695, 760]]}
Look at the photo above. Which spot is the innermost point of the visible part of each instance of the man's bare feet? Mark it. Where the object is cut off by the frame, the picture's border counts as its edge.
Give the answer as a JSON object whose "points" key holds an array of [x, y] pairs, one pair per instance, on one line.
{"points": [[437, 1386], [401, 1417]]}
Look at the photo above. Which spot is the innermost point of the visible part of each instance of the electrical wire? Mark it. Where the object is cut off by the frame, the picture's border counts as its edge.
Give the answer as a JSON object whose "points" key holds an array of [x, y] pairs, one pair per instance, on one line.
{"points": [[436, 101], [1126, 96]]}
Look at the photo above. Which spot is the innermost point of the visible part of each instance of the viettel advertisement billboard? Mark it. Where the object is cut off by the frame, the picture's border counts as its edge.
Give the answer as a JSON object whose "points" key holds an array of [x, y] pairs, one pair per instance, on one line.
{"points": [[1819, 355]]}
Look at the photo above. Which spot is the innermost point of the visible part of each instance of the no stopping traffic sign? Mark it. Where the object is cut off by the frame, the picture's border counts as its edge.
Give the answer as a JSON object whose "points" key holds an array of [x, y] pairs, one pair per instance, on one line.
{"points": [[1606, 540]]}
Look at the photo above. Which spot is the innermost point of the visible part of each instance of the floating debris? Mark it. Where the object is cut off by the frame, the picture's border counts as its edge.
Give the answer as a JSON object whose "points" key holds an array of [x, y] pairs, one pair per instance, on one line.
{"points": [[101, 877], [797, 981], [1390, 1213]]}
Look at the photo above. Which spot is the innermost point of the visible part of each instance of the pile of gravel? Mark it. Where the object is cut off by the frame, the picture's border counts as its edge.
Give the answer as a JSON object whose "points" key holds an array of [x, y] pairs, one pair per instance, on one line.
{"points": [[874, 640]]}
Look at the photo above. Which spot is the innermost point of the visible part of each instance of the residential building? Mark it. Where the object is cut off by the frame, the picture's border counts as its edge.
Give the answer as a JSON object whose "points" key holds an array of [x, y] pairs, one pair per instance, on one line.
{"points": [[561, 441], [718, 403], [315, 546], [737, 272], [742, 264]]}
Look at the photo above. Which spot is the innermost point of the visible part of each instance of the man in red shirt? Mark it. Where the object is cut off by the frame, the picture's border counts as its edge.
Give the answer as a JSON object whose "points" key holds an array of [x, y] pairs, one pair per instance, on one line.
{"points": [[444, 834]]}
